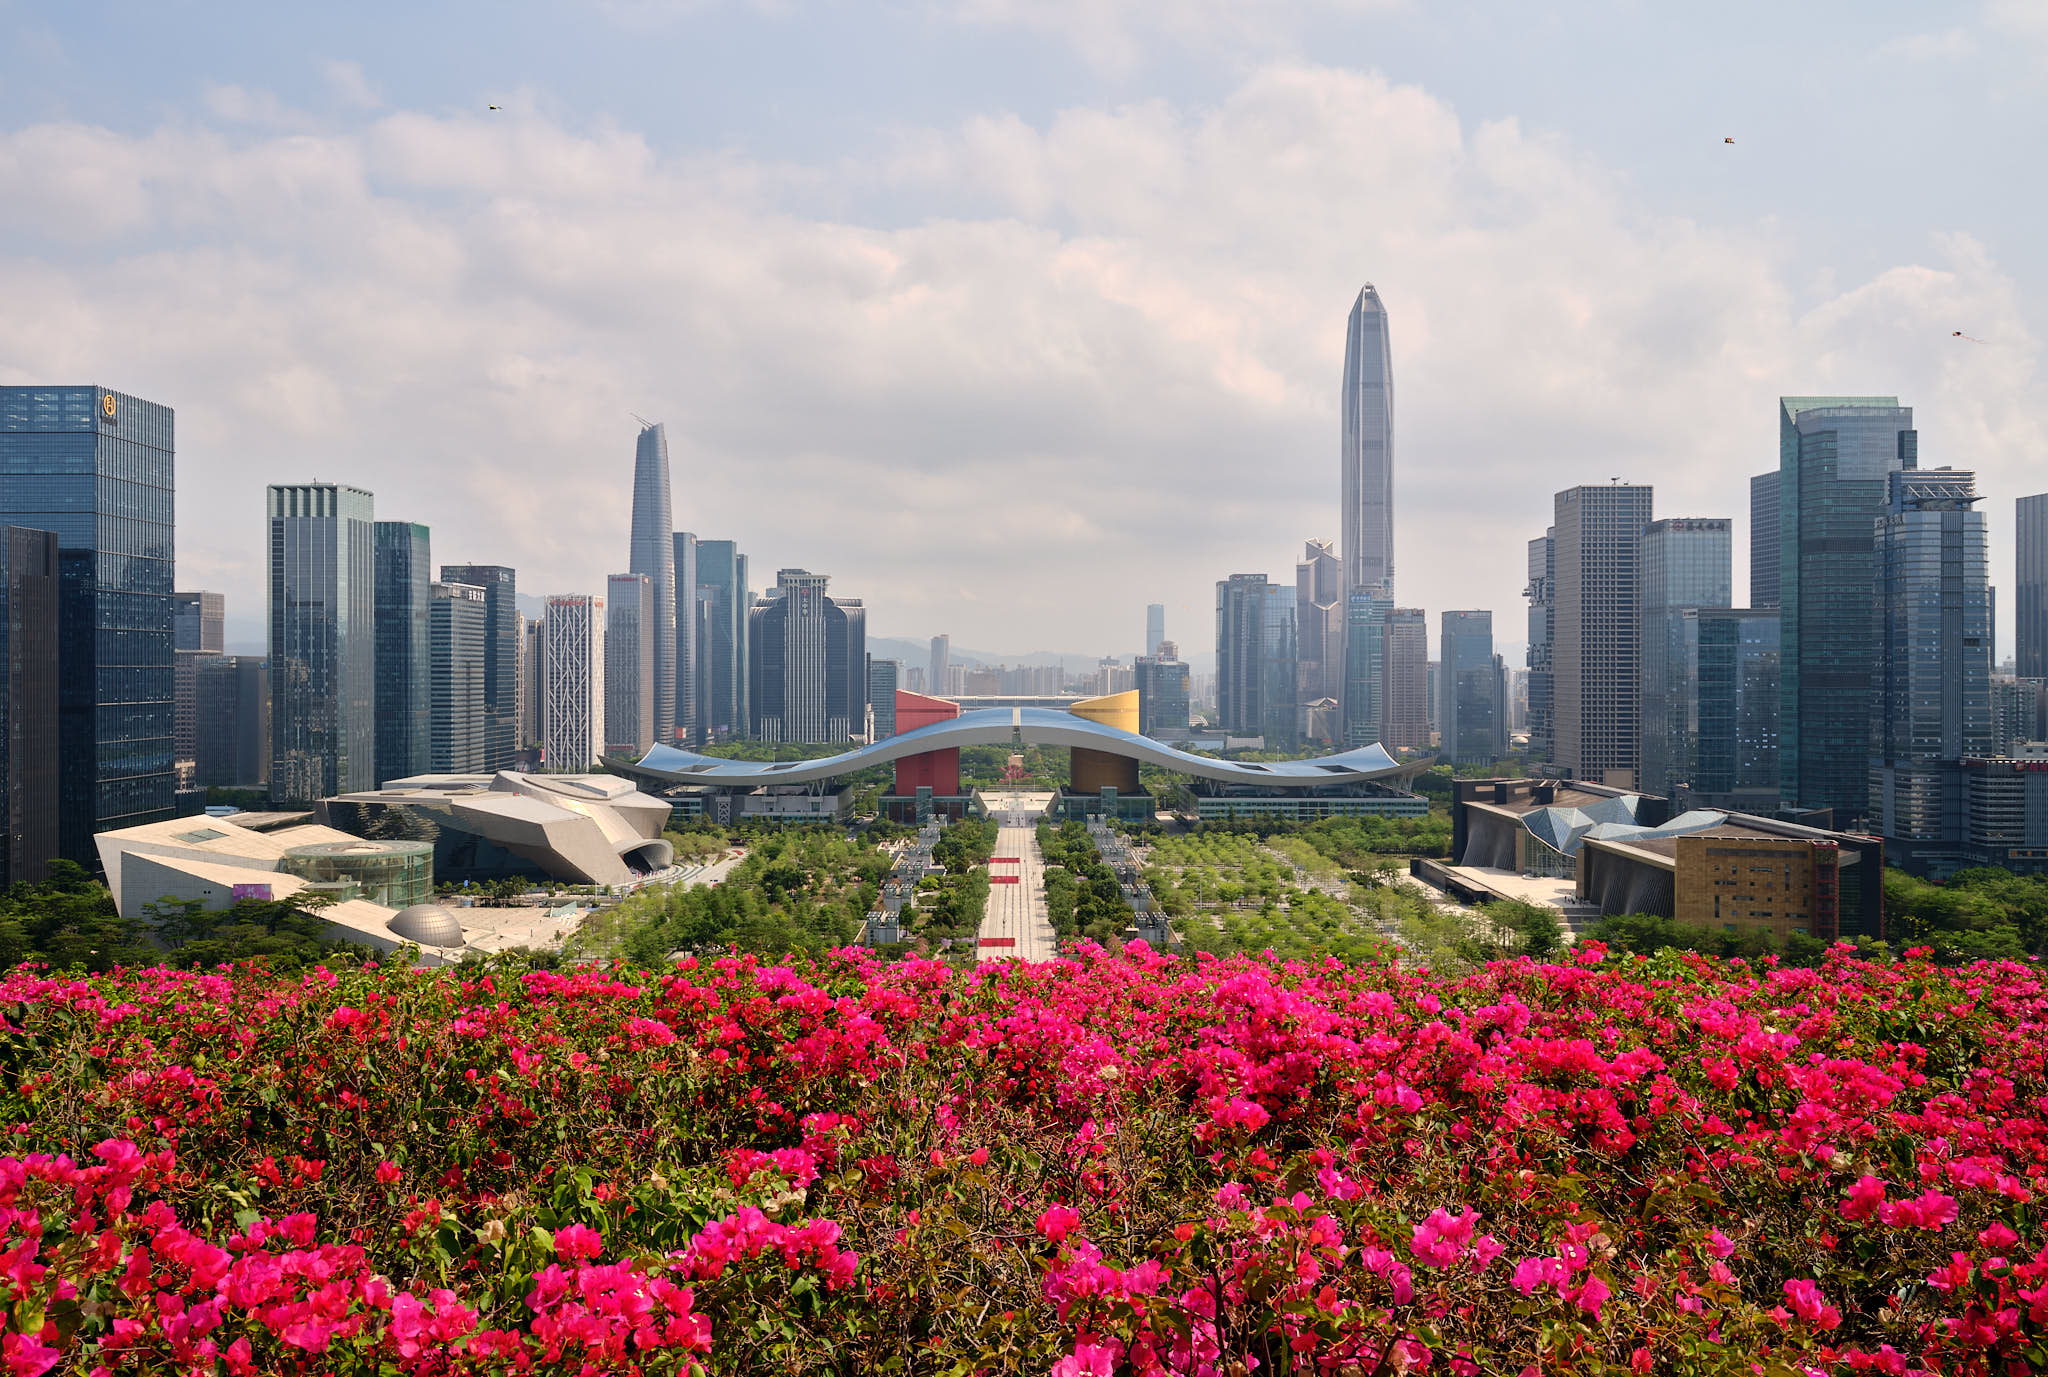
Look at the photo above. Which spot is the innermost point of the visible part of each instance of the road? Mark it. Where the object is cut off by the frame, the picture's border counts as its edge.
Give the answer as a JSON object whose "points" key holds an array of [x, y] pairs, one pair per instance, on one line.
{"points": [[1017, 911]]}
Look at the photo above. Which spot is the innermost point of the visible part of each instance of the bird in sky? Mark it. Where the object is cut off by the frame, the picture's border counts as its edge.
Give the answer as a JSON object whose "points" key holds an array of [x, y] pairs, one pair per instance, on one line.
{"points": [[1723, 141], [1958, 334], [495, 107]]}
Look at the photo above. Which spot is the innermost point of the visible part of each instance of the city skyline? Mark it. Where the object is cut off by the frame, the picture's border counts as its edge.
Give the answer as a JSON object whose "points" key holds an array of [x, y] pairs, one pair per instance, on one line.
{"points": [[1626, 302]]}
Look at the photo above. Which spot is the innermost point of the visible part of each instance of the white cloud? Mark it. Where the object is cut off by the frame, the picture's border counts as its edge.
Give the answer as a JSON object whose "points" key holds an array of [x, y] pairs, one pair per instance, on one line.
{"points": [[1105, 375], [350, 86]]}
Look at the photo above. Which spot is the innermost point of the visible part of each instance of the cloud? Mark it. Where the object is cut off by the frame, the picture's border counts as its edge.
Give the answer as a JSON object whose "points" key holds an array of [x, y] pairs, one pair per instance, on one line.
{"points": [[350, 86], [1102, 372], [1116, 35]]}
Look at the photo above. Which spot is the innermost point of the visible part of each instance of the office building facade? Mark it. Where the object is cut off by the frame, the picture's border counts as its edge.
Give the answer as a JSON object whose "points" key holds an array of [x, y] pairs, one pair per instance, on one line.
{"points": [[1931, 681], [1405, 718], [1365, 666], [654, 541], [1686, 565], [198, 627], [30, 718], [323, 651], [724, 600], [630, 689], [1835, 456], [532, 673], [572, 682], [808, 662], [1474, 730], [1728, 677], [405, 649], [883, 677], [458, 616], [939, 669], [689, 631], [232, 732], [1161, 679], [97, 468], [1542, 626], [1596, 648], [1367, 460], [1319, 624], [1763, 540], [502, 641], [2017, 713], [1256, 658], [2030, 568]]}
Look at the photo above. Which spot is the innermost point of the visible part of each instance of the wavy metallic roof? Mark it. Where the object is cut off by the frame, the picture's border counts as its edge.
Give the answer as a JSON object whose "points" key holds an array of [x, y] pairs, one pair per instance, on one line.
{"points": [[1000, 727]]}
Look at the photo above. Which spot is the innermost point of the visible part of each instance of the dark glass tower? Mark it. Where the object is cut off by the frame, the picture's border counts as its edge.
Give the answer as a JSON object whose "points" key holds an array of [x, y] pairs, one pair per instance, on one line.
{"points": [[457, 614], [1368, 447], [1763, 540], [1596, 648], [29, 723], [808, 662], [723, 600], [1686, 564], [687, 634], [654, 554], [1834, 458], [2030, 649], [323, 648], [1474, 717], [405, 680], [502, 641], [96, 468]]}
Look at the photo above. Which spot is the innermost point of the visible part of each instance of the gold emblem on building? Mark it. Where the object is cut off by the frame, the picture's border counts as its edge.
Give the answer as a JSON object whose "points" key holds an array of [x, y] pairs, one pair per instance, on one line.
{"points": [[107, 405]]}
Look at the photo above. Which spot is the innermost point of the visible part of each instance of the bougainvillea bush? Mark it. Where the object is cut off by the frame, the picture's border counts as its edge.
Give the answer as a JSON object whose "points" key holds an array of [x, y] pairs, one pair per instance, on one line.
{"points": [[1107, 1164]]}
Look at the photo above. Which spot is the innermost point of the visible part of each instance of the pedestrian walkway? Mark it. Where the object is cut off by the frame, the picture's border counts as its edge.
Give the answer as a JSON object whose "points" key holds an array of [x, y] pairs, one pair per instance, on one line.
{"points": [[1015, 925]]}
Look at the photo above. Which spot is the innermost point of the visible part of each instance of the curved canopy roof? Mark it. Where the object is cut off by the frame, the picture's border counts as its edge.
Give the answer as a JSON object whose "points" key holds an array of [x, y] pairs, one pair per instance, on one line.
{"points": [[1000, 727]]}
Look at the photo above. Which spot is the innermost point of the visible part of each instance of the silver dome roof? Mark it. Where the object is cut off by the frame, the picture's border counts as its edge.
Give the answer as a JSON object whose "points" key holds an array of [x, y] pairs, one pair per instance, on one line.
{"points": [[430, 925]]}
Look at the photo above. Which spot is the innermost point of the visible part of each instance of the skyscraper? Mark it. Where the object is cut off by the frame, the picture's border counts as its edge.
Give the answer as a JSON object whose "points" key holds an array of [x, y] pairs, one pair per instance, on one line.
{"points": [[323, 650], [2030, 547], [572, 682], [1763, 540], [1596, 651], [1155, 627], [1834, 458], [1686, 564], [30, 725], [532, 679], [939, 675], [1730, 684], [629, 685], [654, 554], [1255, 658], [882, 683], [1474, 715], [96, 468], [1368, 447], [501, 656], [1404, 721], [1541, 594], [724, 601], [1319, 623], [808, 661], [232, 734], [198, 627], [1161, 680], [1365, 666], [457, 615], [688, 695], [405, 650], [1931, 682]]}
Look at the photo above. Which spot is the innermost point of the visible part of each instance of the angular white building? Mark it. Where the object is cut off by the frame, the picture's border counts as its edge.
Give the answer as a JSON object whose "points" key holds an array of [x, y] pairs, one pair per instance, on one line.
{"points": [[1367, 459], [572, 682]]}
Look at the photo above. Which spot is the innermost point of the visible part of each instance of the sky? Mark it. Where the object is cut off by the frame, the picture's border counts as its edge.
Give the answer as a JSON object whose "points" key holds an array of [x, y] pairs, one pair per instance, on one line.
{"points": [[1013, 316]]}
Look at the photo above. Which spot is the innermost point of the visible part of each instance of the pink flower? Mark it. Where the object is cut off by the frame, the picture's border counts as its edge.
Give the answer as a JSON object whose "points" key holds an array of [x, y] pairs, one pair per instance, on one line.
{"points": [[578, 1241], [25, 1357], [1087, 1360], [1589, 1295], [387, 1172], [1928, 1210], [1440, 1238], [1810, 1305], [1864, 1198], [1057, 1222], [1719, 1244], [1532, 1272]]}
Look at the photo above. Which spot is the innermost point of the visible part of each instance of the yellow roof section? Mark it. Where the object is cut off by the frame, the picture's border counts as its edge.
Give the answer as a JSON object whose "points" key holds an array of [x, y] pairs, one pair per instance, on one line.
{"points": [[1118, 710]]}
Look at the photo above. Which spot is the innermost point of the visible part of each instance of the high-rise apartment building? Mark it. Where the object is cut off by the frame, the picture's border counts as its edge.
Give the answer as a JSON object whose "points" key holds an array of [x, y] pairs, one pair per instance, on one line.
{"points": [[457, 618], [1729, 680], [2016, 713], [1405, 718], [30, 723], [1368, 447], [883, 677], [808, 666], [2030, 547], [1474, 711], [323, 648], [1763, 540], [1687, 563], [724, 601], [405, 650], [198, 627], [1319, 624], [1255, 659], [1155, 627], [689, 632], [629, 682], [501, 656], [1931, 683], [1365, 666], [1596, 648], [572, 682], [232, 734], [1539, 591], [1835, 455], [654, 554], [96, 468], [1161, 679]]}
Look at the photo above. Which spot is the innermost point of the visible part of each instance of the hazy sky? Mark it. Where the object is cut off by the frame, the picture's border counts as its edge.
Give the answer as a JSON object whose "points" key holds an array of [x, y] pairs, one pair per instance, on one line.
{"points": [[1015, 315]]}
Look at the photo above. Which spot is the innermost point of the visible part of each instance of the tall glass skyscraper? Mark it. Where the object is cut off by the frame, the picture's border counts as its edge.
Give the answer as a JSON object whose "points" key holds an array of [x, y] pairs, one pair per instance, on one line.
{"points": [[1319, 623], [1686, 564], [1596, 652], [97, 469], [30, 596], [405, 652], [1763, 540], [503, 640], [1368, 447], [808, 662], [882, 677], [1931, 685], [723, 602], [1542, 626], [1365, 666], [1404, 720], [1155, 627], [457, 613], [2030, 548], [323, 651], [654, 555], [1834, 458], [629, 697], [1729, 680], [1255, 658], [1474, 717], [688, 636]]}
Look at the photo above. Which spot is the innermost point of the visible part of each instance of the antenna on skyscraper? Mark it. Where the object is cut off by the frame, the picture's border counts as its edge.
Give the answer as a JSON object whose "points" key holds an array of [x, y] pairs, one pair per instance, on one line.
{"points": [[645, 424]]}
